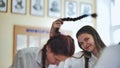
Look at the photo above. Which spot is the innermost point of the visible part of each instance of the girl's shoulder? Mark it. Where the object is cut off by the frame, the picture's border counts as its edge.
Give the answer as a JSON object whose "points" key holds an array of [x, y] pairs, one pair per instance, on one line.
{"points": [[75, 57], [78, 54]]}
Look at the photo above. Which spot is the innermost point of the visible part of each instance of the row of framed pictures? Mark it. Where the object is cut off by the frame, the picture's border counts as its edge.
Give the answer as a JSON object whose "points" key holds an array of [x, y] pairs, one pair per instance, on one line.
{"points": [[37, 7]]}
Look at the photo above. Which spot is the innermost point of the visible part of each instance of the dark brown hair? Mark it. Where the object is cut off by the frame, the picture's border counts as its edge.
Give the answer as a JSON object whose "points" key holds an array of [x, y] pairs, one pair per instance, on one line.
{"points": [[61, 44], [94, 15]]}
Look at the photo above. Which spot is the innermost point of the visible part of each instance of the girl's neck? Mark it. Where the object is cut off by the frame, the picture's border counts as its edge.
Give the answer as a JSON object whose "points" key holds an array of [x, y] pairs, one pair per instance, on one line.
{"points": [[95, 53]]}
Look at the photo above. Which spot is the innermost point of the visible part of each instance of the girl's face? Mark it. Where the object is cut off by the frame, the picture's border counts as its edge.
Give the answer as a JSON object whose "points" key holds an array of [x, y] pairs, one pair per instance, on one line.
{"points": [[87, 42], [54, 59]]}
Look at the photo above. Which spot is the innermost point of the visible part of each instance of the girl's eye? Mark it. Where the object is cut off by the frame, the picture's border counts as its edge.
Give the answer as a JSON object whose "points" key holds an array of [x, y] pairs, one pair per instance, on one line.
{"points": [[57, 60], [86, 39]]}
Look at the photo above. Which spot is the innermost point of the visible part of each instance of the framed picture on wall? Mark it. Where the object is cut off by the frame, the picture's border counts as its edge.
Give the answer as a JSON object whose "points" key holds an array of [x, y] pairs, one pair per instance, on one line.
{"points": [[70, 9], [37, 7], [19, 6], [3, 5], [86, 8], [54, 8]]}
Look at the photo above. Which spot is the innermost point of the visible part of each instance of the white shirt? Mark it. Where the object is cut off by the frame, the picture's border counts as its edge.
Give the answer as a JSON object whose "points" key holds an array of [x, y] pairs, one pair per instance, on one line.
{"points": [[28, 58], [110, 58], [78, 62]]}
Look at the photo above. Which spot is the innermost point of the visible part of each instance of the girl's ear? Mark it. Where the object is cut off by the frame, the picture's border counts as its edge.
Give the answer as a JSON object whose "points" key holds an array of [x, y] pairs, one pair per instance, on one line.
{"points": [[47, 48]]}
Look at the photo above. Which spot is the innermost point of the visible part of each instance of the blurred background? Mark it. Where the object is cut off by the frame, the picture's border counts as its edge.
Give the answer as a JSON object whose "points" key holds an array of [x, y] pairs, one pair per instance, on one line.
{"points": [[38, 15]]}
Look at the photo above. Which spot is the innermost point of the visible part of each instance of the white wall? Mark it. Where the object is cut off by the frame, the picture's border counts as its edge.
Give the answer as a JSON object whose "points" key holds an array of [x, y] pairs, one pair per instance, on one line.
{"points": [[103, 20]]}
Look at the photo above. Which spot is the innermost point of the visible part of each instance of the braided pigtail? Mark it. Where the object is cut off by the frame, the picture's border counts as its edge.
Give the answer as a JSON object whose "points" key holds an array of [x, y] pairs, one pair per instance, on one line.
{"points": [[94, 15], [44, 56]]}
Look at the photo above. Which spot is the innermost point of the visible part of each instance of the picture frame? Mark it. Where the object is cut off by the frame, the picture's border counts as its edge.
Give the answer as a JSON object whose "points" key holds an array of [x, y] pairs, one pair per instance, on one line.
{"points": [[54, 8], [3, 5], [70, 9], [37, 7], [86, 8], [19, 6]]}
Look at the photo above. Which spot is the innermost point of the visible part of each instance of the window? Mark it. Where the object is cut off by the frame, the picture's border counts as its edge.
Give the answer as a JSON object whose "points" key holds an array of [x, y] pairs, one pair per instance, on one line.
{"points": [[115, 22]]}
